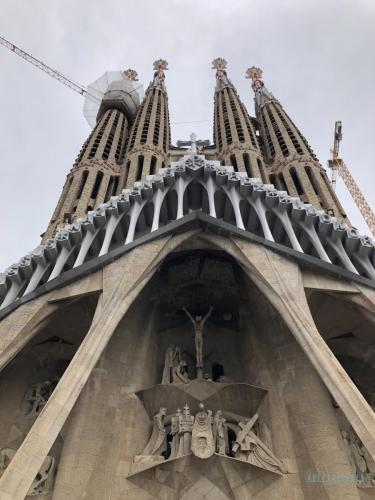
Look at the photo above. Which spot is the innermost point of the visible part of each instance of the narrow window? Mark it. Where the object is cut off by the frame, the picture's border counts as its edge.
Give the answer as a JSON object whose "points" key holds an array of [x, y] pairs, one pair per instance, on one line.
{"points": [[98, 181], [139, 168], [82, 184], [282, 182], [246, 160], [296, 181], [312, 180], [234, 162], [153, 165]]}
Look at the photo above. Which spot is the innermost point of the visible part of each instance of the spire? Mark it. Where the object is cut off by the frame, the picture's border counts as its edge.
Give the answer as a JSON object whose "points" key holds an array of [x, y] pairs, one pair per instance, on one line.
{"points": [[262, 94], [293, 165], [148, 145], [222, 79], [160, 66], [235, 133]]}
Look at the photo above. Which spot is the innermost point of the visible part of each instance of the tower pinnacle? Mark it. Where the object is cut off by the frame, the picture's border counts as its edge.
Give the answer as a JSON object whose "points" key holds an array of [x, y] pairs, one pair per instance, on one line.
{"points": [[160, 66], [255, 74], [220, 65], [130, 74]]}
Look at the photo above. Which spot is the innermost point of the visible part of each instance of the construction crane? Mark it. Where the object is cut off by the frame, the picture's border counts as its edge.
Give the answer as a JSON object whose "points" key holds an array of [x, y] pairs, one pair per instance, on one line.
{"points": [[337, 166], [80, 89]]}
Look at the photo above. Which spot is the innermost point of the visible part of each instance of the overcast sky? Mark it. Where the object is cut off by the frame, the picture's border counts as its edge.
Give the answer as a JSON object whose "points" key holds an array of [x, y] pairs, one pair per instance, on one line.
{"points": [[317, 56]]}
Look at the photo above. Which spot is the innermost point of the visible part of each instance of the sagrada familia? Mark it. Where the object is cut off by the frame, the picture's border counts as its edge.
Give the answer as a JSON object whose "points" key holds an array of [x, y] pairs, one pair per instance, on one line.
{"points": [[198, 321]]}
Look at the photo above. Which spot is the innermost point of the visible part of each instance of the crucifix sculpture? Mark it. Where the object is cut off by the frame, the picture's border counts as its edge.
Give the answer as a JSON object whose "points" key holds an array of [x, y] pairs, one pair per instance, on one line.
{"points": [[198, 323]]}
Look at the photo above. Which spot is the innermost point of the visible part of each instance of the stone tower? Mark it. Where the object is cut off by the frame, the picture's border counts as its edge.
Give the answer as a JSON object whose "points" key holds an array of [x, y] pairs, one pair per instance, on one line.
{"points": [[292, 165], [201, 334], [95, 175], [149, 140]]}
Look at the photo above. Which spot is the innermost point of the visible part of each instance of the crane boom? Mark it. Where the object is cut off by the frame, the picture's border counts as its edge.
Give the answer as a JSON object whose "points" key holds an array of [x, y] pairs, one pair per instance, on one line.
{"points": [[80, 89], [338, 166]]}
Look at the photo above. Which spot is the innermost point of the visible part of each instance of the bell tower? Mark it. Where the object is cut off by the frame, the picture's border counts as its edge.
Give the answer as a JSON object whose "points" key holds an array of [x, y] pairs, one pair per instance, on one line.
{"points": [[149, 139], [292, 164], [95, 175]]}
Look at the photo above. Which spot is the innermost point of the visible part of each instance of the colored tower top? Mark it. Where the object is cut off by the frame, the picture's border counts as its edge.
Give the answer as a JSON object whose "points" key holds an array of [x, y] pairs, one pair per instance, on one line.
{"points": [[130, 74], [222, 79], [262, 94], [160, 66]]}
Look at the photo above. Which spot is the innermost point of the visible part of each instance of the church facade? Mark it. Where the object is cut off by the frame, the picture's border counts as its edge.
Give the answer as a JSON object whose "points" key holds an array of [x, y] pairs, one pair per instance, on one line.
{"points": [[198, 321]]}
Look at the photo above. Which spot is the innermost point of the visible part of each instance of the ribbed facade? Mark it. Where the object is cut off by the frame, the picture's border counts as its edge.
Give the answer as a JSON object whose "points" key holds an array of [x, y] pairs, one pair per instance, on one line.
{"points": [[235, 134], [292, 164], [149, 140], [95, 175]]}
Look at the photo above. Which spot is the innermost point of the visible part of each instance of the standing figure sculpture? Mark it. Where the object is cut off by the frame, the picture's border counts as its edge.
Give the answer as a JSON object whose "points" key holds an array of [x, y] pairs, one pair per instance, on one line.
{"points": [[175, 433], [202, 441], [220, 433], [157, 443], [198, 324], [185, 431], [175, 368]]}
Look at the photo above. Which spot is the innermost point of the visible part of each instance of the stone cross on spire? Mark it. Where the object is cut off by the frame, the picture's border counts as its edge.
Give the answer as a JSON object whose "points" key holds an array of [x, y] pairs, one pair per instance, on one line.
{"points": [[130, 74], [255, 74], [220, 65], [160, 66]]}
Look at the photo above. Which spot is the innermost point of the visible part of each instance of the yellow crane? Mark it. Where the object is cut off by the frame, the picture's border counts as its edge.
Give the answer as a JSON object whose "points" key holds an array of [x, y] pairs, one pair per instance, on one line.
{"points": [[337, 166]]}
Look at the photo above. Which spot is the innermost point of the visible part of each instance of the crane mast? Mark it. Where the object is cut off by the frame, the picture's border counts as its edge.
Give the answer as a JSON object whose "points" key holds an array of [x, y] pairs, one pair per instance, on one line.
{"points": [[337, 166], [80, 89]]}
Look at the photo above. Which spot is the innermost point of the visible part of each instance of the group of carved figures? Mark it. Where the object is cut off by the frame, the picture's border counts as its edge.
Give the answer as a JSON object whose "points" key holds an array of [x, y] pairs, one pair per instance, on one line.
{"points": [[35, 400], [206, 433], [361, 458]]}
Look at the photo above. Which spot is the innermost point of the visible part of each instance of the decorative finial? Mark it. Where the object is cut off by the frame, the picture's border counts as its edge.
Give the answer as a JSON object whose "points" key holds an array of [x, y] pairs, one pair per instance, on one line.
{"points": [[130, 74], [255, 74], [160, 66], [220, 65]]}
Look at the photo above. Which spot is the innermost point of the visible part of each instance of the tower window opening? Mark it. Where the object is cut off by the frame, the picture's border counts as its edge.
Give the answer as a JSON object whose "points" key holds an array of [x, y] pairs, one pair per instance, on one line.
{"points": [[262, 171], [279, 136], [273, 179], [120, 142], [85, 174], [138, 175], [312, 180], [157, 121], [109, 191], [282, 182], [233, 162], [246, 159], [152, 165], [296, 181], [105, 121], [98, 181]]}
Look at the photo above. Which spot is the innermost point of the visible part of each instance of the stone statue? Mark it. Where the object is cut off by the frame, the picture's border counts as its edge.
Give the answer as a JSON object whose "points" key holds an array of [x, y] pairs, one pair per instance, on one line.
{"points": [[202, 441], [360, 457], [44, 479], [249, 448], [157, 443], [175, 433], [198, 324], [179, 373], [185, 431], [38, 395], [175, 370], [220, 433]]}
